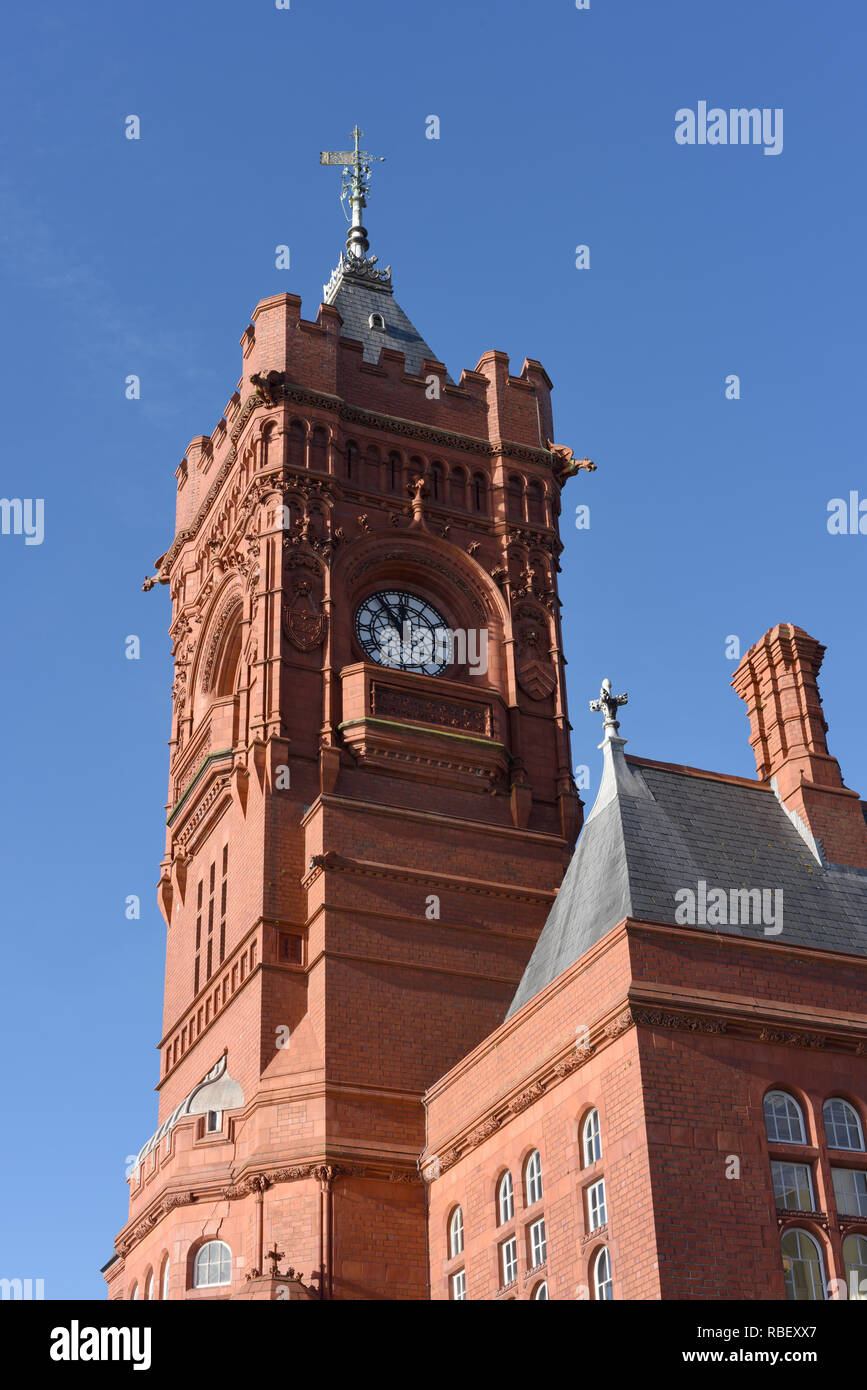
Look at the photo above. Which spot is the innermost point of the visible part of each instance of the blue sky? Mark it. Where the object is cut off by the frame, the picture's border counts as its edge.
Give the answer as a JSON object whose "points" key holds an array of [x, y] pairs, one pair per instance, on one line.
{"points": [[708, 516]]}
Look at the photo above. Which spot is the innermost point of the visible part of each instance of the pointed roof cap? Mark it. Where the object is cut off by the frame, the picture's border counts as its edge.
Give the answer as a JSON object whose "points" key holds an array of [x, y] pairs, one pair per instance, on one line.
{"points": [[362, 293]]}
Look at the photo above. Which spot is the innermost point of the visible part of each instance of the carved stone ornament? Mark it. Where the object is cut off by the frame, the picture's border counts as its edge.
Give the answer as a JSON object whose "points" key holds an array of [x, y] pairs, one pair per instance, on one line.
{"points": [[533, 667], [526, 1098], [304, 624], [619, 1024], [792, 1039]]}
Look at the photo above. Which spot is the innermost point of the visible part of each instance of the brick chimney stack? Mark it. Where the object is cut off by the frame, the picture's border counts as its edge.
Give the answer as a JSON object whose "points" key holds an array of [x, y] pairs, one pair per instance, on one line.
{"points": [[778, 681]]}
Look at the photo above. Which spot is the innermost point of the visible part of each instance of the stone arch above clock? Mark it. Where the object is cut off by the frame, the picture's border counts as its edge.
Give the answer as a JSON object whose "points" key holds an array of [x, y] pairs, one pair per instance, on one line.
{"points": [[437, 572]]}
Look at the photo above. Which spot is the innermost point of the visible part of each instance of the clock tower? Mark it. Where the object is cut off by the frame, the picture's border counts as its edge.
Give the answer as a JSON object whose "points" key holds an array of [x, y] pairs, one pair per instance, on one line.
{"points": [[370, 801]]}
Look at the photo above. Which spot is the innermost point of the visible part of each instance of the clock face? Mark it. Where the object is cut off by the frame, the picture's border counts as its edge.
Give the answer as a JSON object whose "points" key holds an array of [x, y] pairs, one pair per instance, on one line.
{"points": [[404, 632]]}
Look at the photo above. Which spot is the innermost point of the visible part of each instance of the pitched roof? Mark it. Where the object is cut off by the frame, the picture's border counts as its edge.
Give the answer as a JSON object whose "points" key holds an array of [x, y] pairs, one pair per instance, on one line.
{"points": [[358, 291], [655, 830]]}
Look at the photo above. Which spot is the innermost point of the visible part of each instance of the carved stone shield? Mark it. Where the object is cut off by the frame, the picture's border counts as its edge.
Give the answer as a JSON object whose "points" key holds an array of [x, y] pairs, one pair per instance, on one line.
{"points": [[305, 630]]}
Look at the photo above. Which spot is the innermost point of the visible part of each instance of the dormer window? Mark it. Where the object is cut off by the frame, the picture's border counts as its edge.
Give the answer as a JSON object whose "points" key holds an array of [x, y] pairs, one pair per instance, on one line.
{"points": [[377, 321], [214, 1122]]}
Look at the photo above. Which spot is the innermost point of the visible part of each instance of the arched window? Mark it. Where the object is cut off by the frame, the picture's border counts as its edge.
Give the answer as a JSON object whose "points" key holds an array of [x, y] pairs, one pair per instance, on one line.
{"points": [[149, 1286], [373, 467], [319, 450], [602, 1285], [352, 460], [165, 1280], [437, 482], [480, 492], [213, 1265], [540, 1293], [458, 487], [515, 499], [802, 1267], [784, 1123], [377, 321], [298, 444], [505, 1199], [456, 1233], [842, 1125], [536, 504], [855, 1260], [134, 1294], [592, 1139], [394, 472], [533, 1179]]}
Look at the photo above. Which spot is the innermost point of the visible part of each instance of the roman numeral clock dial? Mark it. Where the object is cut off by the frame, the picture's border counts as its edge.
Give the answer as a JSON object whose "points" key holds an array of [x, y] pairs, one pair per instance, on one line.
{"points": [[404, 632]]}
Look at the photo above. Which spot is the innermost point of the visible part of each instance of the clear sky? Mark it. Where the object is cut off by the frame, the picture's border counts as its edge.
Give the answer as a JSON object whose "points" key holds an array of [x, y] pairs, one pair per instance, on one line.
{"points": [[708, 516]]}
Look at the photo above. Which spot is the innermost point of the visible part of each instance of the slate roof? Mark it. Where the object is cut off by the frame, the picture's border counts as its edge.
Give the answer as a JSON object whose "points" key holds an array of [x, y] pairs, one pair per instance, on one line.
{"points": [[356, 302], [655, 830]]}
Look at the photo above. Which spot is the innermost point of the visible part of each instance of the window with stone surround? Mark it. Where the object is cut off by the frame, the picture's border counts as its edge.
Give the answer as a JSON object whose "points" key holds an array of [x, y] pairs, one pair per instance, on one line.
{"points": [[505, 1199], [508, 1261], [803, 1267], [793, 1186], [784, 1123], [533, 1179], [456, 1233], [850, 1191], [458, 1285], [538, 1243], [592, 1139], [602, 1285], [213, 1265], [597, 1214], [842, 1125]]}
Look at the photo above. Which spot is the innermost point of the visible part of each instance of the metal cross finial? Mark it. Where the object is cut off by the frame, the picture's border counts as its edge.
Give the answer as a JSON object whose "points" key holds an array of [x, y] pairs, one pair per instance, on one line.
{"points": [[275, 1256], [355, 186], [608, 703]]}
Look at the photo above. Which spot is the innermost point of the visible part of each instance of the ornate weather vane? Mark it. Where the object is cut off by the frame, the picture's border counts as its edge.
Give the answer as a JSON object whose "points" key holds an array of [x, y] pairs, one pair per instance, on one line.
{"points": [[354, 188], [608, 704]]}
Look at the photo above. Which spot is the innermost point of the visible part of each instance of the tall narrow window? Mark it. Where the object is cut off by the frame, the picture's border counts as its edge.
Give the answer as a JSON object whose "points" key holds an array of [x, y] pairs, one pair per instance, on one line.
{"points": [[540, 1293], [165, 1291], [842, 1125], [394, 472], [198, 936], [209, 959], [597, 1214], [602, 1285], [352, 461], [223, 897], [592, 1139], [784, 1123], [459, 1286], [480, 492], [536, 504], [456, 1233], [514, 499], [437, 482], [508, 1261], [538, 1243], [802, 1267], [505, 1199], [533, 1179]]}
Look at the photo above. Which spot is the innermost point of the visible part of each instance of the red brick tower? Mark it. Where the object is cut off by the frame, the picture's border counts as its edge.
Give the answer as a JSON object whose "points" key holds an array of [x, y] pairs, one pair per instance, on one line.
{"points": [[367, 821]]}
